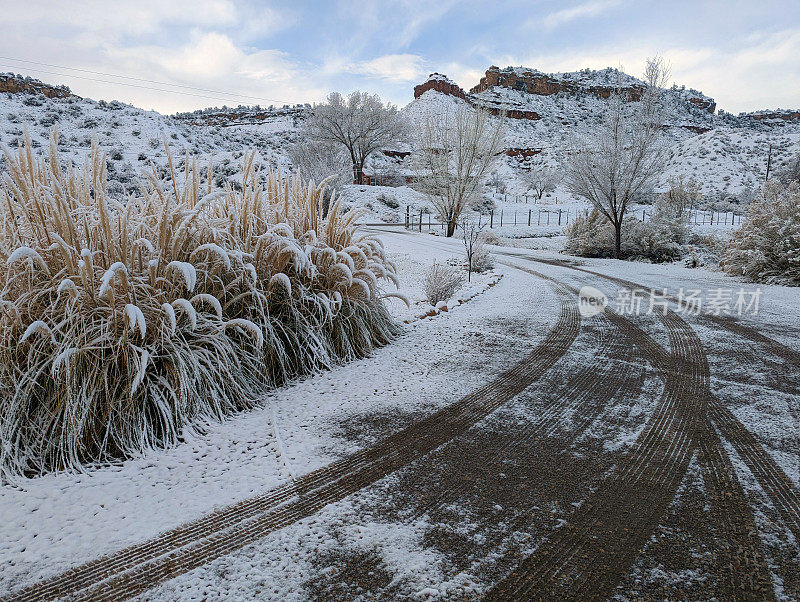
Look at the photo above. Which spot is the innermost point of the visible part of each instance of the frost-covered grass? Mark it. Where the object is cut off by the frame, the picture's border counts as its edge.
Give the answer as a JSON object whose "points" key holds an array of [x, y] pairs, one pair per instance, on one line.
{"points": [[126, 320]]}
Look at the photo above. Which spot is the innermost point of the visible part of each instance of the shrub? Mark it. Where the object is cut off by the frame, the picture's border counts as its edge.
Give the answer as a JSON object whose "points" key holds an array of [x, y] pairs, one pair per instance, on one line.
{"points": [[767, 246], [388, 200], [591, 235], [660, 239], [122, 324], [442, 282]]}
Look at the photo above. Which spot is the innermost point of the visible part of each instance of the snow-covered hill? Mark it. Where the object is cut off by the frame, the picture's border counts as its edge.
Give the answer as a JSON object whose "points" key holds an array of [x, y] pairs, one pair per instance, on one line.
{"points": [[133, 138], [724, 154]]}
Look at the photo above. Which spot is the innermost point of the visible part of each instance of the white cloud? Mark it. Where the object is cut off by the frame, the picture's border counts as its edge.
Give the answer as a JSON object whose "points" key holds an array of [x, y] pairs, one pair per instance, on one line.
{"points": [[392, 67], [137, 18], [581, 11], [198, 43]]}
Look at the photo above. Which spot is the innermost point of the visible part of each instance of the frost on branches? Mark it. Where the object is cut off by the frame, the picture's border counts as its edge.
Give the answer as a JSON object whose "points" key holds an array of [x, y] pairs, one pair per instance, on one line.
{"points": [[767, 246]]}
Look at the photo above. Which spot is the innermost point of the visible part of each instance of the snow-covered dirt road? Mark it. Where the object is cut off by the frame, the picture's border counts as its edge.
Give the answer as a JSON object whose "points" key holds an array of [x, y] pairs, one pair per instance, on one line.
{"points": [[509, 448]]}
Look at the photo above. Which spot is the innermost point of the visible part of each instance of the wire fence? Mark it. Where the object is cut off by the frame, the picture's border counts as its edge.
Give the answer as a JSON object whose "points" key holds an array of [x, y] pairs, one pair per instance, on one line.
{"points": [[558, 217]]}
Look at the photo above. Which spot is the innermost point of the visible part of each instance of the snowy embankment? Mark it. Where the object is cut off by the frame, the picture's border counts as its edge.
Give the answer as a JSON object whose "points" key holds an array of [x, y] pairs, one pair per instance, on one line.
{"points": [[62, 519]]}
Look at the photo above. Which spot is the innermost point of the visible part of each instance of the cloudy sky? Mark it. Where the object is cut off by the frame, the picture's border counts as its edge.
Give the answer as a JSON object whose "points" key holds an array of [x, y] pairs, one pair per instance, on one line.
{"points": [[214, 52]]}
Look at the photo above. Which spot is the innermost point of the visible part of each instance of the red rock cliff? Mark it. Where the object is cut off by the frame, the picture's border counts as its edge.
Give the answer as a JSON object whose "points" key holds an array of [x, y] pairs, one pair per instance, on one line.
{"points": [[18, 85], [440, 83], [535, 82]]}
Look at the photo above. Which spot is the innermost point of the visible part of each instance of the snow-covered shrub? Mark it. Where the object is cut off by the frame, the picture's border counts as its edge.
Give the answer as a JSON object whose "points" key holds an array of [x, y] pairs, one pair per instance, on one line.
{"points": [[481, 259], [389, 200], [767, 246], [123, 323], [661, 238], [590, 235], [441, 282]]}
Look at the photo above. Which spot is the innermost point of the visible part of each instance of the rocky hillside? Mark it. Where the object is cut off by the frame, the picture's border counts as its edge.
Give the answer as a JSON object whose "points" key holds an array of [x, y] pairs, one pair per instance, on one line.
{"points": [[725, 154], [18, 84], [133, 139]]}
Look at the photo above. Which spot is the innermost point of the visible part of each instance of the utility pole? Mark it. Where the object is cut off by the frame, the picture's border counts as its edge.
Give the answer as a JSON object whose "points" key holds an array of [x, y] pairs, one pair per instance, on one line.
{"points": [[769, 162]]}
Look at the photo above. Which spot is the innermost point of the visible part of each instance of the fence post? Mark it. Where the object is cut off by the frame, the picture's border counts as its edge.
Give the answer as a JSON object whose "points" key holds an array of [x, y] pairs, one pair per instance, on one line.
{"points": [[559, 217], [515, 217], [539, 218], [491, 218], [643, 215], [548, 217], [408, 208], [712, 217], [501, 218], [526, 199], [529, 217], [420, 220]]}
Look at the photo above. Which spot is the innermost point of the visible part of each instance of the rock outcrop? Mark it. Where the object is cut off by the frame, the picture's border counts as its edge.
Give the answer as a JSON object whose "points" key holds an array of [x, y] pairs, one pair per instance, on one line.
{"points": [[543, 84], [440, 83], [16, 84], [785, 115], [523, 153], [706, 104], [601, 84]]}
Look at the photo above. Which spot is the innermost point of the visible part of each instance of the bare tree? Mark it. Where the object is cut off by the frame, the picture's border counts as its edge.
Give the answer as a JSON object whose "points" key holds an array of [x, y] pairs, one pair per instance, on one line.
{"points": [[611, 165], [541, 178], [360, 122], [315, 160], [470, 231], [455, 153]]}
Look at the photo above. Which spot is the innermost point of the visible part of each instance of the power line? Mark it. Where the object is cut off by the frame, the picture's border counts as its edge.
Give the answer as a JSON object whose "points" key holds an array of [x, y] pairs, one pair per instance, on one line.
{"points": [[150, 81], [231, 95]]}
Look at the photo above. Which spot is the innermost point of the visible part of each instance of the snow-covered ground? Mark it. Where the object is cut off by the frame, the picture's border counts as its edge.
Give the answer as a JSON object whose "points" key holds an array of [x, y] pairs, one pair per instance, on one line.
{"points": [[56, 521], [61, 519]]}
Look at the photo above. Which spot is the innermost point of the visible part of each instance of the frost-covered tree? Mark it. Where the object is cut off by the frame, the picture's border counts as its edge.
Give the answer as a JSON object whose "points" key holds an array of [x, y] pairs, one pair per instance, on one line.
{"points": [[614, 163], [683, 194], [478, 259], [541, 178], [360, 122], [455, 153]]}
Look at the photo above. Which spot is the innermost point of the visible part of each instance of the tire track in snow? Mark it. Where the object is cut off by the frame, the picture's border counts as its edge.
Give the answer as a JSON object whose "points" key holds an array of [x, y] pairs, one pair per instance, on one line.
{"points": [[721, 479], [771, 478], [593, 551], [138, 568], [785, 352], [536, 449], [568, 563]]}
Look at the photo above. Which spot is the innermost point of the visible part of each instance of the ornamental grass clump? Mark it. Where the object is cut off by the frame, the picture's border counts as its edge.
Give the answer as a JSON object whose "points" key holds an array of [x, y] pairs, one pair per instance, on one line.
{"points": [[125, 321]]}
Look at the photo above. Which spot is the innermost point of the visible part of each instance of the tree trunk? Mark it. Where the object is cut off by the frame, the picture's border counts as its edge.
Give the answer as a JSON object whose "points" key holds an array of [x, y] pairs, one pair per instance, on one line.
{"points": [[617, 239], [451, 227]]}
